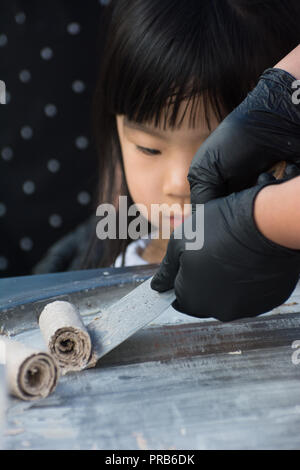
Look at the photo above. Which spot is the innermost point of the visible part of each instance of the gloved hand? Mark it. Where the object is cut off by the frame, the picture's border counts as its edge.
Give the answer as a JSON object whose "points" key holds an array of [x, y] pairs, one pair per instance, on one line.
{"points": [[263, 130], [238, 272]]}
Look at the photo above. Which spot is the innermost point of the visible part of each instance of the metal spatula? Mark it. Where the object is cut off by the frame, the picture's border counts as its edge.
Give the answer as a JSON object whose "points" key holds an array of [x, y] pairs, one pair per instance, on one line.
{"points": [[124, 318]]}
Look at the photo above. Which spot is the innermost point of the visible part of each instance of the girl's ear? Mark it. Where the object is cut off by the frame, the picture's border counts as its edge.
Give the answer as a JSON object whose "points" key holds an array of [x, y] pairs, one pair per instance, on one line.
{"points": [[118, 181], [118, 119]]}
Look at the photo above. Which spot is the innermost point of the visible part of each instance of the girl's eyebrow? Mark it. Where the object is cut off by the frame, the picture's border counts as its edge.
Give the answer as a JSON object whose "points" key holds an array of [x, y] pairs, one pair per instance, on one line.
{"points": [[143, 128]]}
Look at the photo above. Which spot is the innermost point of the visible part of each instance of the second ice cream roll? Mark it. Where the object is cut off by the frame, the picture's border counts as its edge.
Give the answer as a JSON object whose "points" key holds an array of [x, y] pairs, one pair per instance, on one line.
{"points": [[30, 374], [65, 335]]}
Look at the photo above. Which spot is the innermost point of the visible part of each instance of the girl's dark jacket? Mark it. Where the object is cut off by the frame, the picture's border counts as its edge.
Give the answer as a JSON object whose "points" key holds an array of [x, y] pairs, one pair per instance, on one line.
{"points": [[68, 253]]}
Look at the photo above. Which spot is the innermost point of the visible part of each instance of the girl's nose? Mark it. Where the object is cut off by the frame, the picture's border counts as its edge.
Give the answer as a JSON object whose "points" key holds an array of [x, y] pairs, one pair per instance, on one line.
{"points": [[175, 181]]}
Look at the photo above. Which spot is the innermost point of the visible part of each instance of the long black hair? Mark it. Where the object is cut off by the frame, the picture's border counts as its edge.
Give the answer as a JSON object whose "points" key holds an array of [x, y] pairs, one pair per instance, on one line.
{"points": [[158, 52]]}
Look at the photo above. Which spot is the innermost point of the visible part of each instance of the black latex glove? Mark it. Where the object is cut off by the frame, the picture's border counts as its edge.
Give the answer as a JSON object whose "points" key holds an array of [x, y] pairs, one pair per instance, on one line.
{"points": [[238, 272], [263, 130]]}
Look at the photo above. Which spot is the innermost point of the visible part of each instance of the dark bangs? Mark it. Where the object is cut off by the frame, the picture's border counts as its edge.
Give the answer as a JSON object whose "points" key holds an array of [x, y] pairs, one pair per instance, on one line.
{"points": [[161, 56], [161, 52]]}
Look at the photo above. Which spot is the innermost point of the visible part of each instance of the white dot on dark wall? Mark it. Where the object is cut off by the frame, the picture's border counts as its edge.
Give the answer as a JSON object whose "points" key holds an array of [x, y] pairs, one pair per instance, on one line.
{"points": [[7, 153], [46, 53], [26, 244], [28, 187], [73, 28], [78, 86], [26, 132], [53, 165], [2, 209], [50, 110], [25, 76], [83, 197], [3, 40], [55, 220], [81, 142], [20, 17], [3, 263]]}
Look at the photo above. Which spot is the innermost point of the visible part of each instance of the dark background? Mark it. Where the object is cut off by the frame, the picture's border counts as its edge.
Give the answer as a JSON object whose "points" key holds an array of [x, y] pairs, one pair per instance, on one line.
{"points": [[50, 54]]}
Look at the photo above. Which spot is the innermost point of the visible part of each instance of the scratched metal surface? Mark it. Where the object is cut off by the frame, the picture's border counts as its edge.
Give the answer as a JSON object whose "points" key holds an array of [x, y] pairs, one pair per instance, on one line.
{"points": [[179, 383]]}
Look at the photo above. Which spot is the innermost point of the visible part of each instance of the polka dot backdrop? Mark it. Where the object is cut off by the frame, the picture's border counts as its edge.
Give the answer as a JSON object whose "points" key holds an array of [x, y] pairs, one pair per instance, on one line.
{"points": [[49, 59]]}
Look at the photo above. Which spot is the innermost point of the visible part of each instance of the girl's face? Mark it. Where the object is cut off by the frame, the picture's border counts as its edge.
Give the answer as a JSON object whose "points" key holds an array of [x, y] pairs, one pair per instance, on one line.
{"points": [[156, 162]]}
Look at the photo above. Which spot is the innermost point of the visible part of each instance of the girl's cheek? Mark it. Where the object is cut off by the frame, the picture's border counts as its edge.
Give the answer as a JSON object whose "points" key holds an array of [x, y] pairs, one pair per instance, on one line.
{"points": [[144, 183]]}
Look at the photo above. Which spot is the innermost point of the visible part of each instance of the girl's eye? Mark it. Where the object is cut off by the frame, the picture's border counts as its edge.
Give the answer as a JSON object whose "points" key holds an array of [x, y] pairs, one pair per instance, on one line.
{"points": [[148, 151]]}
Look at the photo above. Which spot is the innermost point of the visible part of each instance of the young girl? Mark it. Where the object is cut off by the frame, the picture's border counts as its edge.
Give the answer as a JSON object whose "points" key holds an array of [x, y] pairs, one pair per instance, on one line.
{"points": [[172, 70]]}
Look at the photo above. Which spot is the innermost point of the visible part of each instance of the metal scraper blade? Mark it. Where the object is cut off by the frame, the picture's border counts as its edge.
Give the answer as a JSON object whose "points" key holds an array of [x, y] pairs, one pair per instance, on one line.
{"points": [[124, 318]]}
